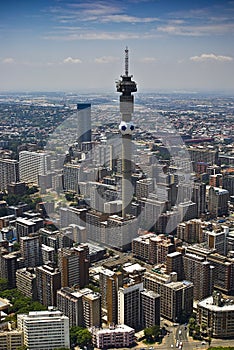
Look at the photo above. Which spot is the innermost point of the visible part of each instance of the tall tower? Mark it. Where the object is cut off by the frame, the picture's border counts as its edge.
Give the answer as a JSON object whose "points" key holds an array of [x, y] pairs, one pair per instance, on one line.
{"points": [[126, 86]]}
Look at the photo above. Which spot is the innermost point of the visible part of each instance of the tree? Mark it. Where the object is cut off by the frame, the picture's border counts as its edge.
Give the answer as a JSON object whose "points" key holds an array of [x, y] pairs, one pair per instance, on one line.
{"points": [[80, 336], [3, 284], [152, 333]]}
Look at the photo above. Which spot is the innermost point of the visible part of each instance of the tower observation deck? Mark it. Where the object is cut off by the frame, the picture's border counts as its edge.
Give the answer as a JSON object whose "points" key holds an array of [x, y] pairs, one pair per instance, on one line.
{"points": [[126, 86]]}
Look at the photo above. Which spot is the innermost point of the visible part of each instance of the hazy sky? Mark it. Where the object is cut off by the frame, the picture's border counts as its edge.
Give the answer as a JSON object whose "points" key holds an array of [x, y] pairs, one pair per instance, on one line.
{"points": [[71, 45]]}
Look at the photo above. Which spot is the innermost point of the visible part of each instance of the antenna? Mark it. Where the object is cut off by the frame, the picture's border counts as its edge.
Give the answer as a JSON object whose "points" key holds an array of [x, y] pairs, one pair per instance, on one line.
{"points": [[126, 61]]}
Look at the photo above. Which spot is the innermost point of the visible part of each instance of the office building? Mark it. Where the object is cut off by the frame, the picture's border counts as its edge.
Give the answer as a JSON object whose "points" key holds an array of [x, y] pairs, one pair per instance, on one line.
{"points": [[217, 314], [187, 210], [9, 172], [84, 122], [74, 266], [119, 336], [223, 273], [199, 197], [44, 330], [228, 183], [48, 282]]}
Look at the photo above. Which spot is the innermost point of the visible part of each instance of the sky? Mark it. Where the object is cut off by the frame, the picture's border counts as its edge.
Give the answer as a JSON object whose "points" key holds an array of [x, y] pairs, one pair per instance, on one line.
{"points": [[78, 46]]}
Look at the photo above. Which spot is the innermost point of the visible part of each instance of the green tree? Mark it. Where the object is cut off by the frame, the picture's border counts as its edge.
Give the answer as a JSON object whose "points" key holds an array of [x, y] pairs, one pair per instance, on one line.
{"points": [[80, 336], [3, 284]]}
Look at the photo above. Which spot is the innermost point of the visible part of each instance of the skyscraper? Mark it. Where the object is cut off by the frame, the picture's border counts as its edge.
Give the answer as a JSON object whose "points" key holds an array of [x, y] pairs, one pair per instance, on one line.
{"points": [[126, 86], [84, 122], [74, 266]]}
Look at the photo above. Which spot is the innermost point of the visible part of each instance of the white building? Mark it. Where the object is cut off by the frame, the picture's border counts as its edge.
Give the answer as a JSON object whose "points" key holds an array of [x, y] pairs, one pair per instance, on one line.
{"points": [[32, 164], [44, 330]]}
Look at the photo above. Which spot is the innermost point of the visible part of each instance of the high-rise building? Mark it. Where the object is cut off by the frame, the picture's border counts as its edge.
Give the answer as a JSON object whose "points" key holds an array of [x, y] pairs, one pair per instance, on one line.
{"points": [[9, 172], [26, 282], [26, 227], [192, 231], [91, 308], [83, 307], [44, 330], [228, 184], [176, 297], [150, 308], [84, 122], [71, 177], [199, 197], [32, 164], [174, 263], [217, 314], [200, 273], [48, 282], [8, 267], [129, 305], [69, 301], [109, 283], [74, 266], [126, 86], [218, 201], [30, 250], [152, 248]]}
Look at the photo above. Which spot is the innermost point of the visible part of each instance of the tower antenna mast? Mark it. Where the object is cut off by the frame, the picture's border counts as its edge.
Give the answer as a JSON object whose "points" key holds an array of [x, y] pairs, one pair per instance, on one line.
{"points": [[126, 61]]}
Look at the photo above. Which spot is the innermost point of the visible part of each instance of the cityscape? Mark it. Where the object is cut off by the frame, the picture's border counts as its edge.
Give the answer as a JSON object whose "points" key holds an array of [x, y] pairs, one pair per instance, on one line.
{"points": [[117, 188]]}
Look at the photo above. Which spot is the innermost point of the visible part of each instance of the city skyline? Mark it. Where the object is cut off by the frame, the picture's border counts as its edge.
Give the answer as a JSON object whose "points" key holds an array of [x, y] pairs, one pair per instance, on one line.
{"points": [[57, 45]]}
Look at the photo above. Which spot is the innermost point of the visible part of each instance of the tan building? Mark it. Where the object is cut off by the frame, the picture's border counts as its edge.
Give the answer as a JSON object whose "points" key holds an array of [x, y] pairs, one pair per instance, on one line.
{"points": [[200, 273], [83, 307], [176, 297], [26, 282], [11, 340], [152, 248], [48, 282], [109, 283], [191, 231], [91, 308], [74, 266], [218, 315], [174, 263]]}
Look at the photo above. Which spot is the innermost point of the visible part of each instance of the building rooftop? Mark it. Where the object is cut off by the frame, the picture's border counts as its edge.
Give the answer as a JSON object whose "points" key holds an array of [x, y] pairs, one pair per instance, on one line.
{"points": [[208, 303]]}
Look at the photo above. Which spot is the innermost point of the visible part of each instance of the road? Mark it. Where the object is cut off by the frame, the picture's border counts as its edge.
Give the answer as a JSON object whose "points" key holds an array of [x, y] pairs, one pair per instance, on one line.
{"points": [[181, 333]]}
